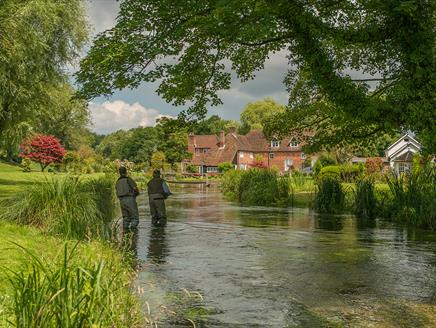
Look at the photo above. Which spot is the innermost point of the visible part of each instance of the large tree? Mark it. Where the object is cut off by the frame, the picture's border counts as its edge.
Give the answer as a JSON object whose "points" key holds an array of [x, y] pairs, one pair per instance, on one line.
{"points": [[189, 46], [38, 38], [255, 114]]}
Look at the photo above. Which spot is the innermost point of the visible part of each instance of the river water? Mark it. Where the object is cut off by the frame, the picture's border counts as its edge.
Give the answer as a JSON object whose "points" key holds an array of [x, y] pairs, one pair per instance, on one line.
{"points": [[269, 267]]}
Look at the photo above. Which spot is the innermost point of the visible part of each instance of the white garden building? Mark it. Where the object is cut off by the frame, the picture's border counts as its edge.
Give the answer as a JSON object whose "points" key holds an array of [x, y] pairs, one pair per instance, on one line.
{"points": [[400, 153]]}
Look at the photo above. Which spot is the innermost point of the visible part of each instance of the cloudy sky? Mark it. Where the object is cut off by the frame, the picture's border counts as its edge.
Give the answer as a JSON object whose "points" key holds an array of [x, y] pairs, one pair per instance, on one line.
{"points": [[130, 108]]}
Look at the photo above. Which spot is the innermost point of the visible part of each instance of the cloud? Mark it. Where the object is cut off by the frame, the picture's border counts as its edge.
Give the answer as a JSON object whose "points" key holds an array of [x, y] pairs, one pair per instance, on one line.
{"points": [[111, 116], [102, 14]]}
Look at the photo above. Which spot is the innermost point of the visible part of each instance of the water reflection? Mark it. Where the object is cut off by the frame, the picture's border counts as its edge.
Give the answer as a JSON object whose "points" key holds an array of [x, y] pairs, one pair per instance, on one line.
{"points": [[157, 245], [266, 265]]}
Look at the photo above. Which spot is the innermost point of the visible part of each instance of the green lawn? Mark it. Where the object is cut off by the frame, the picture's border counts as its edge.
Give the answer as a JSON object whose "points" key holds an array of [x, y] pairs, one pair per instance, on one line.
{"points": [[14, 258], [13, 179]]}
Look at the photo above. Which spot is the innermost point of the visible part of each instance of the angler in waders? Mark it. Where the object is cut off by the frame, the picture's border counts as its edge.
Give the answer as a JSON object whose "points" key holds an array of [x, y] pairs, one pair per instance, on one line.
{"points": [[127, 190], [158, 191]]}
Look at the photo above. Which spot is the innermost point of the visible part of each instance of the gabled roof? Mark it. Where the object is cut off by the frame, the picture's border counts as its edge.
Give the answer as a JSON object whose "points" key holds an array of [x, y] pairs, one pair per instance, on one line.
{"points": [[401, 139], [399, 152]]}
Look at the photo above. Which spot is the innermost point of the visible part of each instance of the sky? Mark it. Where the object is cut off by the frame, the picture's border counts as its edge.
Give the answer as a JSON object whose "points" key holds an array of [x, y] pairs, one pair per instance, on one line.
{"points": [[127, 108]]}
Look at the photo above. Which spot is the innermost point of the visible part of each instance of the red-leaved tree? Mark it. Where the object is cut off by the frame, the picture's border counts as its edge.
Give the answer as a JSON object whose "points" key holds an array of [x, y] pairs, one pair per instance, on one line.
{"points": [[42, 149]]}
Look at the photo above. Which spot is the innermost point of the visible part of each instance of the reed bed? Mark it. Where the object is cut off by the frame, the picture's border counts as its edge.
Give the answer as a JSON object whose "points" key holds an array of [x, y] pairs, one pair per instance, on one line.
{"points": [[66, 206], [67, 292]]}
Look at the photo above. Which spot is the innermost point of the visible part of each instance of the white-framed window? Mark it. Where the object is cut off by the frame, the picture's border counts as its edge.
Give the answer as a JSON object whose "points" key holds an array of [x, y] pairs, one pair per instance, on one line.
{"points": [[293, 143], [242, 166], [271, 155], [241, 154], [403, 167], [205, 150], [275, 143], [303, 155], [211, 169], [251, 155]]}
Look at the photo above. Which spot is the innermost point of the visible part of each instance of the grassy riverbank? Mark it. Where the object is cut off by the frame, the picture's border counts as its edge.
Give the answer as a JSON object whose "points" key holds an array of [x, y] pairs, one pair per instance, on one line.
{"points": [[52, 269]]}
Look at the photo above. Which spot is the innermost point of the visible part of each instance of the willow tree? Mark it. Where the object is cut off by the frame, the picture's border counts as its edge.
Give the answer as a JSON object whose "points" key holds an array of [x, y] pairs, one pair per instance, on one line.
{"points": [[38, 38], [191, 46]]}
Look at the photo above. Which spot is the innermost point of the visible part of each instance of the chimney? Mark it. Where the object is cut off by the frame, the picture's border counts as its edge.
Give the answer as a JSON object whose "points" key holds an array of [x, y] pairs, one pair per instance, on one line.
{"points": [[191, 142], [222, 139]]}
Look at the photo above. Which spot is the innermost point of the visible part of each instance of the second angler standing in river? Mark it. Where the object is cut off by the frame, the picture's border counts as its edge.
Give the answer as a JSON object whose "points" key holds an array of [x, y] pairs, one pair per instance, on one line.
{"points": [[158, 191]]}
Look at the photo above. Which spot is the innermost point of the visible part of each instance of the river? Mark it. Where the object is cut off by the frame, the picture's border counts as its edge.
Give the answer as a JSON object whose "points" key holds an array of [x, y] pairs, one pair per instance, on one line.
{"points": [[270, 267]]}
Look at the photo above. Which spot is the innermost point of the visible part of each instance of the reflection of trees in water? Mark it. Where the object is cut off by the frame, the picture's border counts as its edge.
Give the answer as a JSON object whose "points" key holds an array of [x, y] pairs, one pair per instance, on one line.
{"points": [[157, 246]]}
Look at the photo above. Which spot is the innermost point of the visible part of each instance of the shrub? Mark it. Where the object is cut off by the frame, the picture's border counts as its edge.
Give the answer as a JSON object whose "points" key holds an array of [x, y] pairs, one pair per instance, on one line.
{"points": [[257, 187], [330, 197], [230, 183], [374, 165], [365, 203], [332, 171], [350, 172], [224, 167], [65, 206], [192, 168], [69, 293]]}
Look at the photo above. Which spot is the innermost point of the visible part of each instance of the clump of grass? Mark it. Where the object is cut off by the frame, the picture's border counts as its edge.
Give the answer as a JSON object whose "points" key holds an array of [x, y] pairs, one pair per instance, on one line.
{"points": [[65, 293], [65, 206], [330, 196], [413, 199], [365, 203]]}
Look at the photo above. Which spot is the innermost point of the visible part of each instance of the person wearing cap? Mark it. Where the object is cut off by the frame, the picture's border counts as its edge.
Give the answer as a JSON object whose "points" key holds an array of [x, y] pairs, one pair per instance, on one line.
{"points": [[127, 190], [158, 191]]}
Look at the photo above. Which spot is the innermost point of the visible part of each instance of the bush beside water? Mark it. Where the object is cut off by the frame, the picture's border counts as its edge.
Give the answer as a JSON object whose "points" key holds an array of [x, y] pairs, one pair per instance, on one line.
{"points": [[258, 187]]}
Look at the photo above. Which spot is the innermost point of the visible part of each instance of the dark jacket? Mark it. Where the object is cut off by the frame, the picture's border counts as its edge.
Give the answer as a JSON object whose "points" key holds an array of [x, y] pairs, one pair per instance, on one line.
{"points": [[158, 186], [125, 186]]}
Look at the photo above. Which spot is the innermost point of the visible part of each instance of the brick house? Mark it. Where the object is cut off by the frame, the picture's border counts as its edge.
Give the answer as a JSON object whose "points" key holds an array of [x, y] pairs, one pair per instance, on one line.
{"points": [[244, 151]]}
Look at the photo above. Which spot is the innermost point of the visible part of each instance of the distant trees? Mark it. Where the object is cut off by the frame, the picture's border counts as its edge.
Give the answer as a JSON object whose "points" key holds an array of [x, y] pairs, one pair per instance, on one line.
{"points": [[43, 149], [255, 114]]}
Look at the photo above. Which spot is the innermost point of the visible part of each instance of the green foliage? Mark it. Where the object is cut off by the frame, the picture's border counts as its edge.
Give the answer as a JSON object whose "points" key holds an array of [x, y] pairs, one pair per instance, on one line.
{"points": [[39, 38], [365, 204], [256, 113], [330, 196], [68, 293], [224, 167], [213, 125], [391, 40], [158, 160], [413, 197], [344, 172], [65, 206], [332, 171], [26, 165], [326, 160], [257, 187]]}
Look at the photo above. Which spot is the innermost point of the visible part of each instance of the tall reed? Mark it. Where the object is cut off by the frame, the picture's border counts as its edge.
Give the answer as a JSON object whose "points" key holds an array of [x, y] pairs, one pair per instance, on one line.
{"points": [[65, 293], [65, 206], [365, 203], [413, 198], [330, 197]]}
